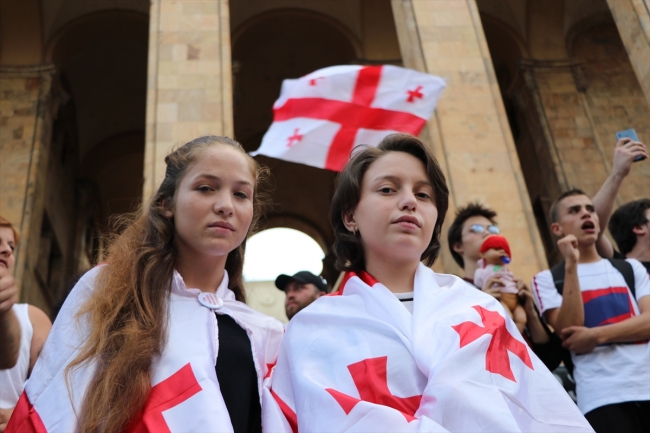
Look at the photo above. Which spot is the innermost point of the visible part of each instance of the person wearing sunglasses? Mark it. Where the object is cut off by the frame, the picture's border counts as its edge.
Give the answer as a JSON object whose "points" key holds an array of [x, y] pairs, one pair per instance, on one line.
{"points": [[473, 223]]}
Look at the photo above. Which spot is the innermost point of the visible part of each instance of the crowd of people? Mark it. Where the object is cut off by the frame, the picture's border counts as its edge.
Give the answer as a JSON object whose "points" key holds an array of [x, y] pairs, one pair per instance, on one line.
{"points": [[160, 338]]}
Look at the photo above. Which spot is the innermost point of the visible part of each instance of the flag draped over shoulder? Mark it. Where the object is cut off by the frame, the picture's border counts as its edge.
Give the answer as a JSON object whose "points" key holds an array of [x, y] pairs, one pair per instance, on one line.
{"points": [[185, 393], [360, 362], [320, 117]]}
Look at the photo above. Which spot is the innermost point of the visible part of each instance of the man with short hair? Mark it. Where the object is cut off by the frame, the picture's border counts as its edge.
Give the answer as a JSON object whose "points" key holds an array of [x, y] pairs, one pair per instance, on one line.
{"points": [[301, 289], [612, 362]]}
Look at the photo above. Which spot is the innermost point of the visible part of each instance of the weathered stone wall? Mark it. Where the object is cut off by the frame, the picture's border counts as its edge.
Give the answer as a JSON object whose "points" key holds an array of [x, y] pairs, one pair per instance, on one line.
{"points": [[614, 99], [25, 119], [632, 19]]}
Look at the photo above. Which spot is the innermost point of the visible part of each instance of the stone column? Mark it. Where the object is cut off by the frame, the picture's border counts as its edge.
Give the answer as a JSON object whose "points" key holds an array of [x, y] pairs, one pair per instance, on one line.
{"points": [[189, 81], [26, 119], [469, 130], [632, 19]]}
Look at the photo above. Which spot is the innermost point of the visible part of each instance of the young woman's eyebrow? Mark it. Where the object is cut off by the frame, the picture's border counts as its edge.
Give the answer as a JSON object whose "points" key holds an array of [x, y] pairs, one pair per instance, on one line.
{"points": [[214, 178], [388, 177], [424, 183], [207, 176], [396, 179]]}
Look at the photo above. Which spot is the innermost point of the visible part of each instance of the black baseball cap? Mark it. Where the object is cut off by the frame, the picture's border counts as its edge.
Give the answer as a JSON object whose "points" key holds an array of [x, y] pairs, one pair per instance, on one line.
{"points": [[304, 277]]}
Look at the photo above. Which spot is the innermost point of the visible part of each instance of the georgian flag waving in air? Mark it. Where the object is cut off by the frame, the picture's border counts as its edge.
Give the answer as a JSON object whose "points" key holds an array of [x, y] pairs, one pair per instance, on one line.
{"points": [[320, 117]]}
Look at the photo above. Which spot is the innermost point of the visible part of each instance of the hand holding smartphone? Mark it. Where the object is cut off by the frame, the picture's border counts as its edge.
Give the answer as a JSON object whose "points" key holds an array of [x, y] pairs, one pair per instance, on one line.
{"points": [[631, 134]]}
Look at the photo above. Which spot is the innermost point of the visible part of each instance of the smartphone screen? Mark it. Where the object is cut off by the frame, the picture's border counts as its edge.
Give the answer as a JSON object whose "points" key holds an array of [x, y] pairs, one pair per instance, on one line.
{"points": [[629, 133]]}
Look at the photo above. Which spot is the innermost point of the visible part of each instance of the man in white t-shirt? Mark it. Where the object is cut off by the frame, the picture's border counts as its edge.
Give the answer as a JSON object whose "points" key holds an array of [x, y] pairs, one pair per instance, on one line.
{"points": [[600, 322]]}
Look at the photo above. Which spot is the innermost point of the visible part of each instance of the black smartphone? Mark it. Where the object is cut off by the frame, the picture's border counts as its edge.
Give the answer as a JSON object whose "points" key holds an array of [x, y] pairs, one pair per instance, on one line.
{"points": [[629, 133]]}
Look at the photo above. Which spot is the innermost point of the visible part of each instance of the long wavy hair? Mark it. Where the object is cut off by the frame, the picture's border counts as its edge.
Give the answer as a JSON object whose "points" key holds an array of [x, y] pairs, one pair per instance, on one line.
{"points": [[128, 310]]}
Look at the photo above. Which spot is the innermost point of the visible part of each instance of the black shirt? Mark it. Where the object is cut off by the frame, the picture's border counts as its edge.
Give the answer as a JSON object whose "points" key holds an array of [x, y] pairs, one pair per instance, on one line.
{"points": [[237, 377]]}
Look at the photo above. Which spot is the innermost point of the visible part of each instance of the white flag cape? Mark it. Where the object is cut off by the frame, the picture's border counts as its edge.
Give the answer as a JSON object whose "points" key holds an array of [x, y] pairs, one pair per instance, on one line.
{"points": [[360, 362], [319, 118], [185, 395]]}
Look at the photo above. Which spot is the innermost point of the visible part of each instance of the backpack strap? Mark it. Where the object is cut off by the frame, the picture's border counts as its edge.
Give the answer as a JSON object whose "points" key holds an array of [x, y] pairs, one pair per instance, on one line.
{"points": [[557, 272], [626, 269], [622, 266]]}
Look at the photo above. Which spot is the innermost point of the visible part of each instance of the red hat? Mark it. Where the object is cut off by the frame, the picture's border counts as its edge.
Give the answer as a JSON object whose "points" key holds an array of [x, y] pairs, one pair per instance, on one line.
{"points": [[496, 241]]}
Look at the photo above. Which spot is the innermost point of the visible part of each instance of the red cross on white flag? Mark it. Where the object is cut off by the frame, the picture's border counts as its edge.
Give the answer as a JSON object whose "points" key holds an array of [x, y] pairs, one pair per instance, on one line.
{"points": [[319, 118]]}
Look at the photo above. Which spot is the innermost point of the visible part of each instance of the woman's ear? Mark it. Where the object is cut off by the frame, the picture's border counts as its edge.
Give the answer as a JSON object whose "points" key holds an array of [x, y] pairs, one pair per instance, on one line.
{"points": [[349, 222], [167, 212], [458, 248]]}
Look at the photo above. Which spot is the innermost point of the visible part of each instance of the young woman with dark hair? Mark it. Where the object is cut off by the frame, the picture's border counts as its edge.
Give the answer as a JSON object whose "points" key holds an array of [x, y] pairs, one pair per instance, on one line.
{"points": [[399, 347], [159, 338]]}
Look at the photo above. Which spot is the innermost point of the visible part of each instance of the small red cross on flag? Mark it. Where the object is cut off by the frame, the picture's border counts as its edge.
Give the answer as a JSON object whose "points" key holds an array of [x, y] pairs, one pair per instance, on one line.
{"points": [[414, 94], [294, 138], [332, 110]]}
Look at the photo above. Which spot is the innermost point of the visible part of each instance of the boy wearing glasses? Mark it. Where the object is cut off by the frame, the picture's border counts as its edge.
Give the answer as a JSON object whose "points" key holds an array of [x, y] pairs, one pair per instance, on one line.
{"points": [[466, 234]]}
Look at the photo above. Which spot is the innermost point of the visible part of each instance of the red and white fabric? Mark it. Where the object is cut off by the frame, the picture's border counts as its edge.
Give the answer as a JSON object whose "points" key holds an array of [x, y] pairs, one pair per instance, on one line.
{"points": [[185, 393], [320, 117], [614, 373], [360, 362]]}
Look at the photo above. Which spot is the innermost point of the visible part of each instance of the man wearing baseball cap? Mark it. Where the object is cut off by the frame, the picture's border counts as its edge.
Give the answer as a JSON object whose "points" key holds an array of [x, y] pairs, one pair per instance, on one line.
{"points": [[302, 289]]}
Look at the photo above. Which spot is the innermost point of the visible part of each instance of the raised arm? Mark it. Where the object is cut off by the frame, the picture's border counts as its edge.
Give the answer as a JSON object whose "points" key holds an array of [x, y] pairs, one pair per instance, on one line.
{"points": [[9, 326], [571, 312], [625, 152]]}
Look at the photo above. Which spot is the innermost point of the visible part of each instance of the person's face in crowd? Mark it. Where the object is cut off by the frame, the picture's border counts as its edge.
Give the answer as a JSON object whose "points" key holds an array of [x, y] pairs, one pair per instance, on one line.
{"points": [[475, 230], [7, 247], [577, 216], [213, 207], [396, 213], [299, 295]]}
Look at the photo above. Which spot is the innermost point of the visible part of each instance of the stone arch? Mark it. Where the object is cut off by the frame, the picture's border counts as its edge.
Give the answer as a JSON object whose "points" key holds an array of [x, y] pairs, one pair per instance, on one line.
{"points": [[580, 27], [101, 59], [276, 45], [297, 13], [506, 48], [267, 49], [300, 224]]}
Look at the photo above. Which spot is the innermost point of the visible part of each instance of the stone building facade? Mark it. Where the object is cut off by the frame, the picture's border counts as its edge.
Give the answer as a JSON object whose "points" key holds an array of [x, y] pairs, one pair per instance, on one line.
{"points": [[94, 93]]}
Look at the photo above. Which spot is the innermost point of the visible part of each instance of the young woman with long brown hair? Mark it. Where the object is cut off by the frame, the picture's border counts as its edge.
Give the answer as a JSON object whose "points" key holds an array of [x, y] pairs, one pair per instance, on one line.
{"points": [[400, 348], [159, 338]]}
